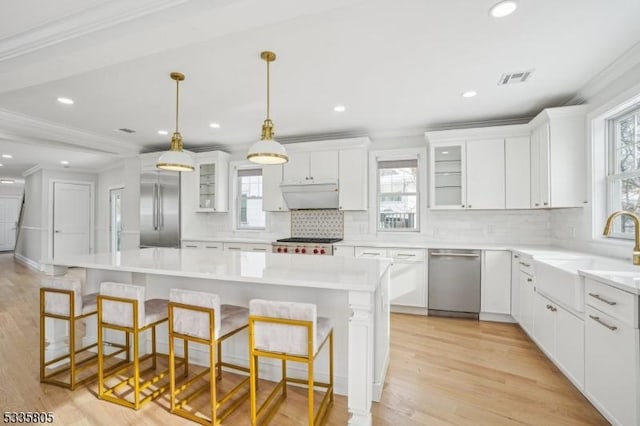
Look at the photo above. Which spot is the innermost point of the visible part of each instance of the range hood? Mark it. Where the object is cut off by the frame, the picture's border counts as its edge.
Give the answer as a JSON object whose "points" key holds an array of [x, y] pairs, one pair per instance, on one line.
{"points": [[318, 194]]}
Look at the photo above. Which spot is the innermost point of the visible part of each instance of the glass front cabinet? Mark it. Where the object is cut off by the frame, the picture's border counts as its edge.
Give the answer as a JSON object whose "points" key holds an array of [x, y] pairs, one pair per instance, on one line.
{"points": [[212, 171], [448, 178]]}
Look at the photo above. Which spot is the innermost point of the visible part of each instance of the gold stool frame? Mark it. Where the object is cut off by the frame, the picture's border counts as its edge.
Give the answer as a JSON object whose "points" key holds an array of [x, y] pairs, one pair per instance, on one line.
{"points": [[268, 408], [108, 394], [214, 371], [74, 366]]}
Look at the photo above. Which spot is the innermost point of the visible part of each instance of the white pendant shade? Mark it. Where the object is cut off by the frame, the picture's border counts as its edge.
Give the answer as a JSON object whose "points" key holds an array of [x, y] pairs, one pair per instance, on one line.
{"points": [[177, 161], [267, 151]]}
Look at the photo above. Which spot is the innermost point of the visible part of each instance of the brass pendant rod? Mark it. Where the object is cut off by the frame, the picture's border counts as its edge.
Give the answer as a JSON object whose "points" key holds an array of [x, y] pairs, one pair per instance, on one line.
{"points": [[177, 102], [268, 91]]}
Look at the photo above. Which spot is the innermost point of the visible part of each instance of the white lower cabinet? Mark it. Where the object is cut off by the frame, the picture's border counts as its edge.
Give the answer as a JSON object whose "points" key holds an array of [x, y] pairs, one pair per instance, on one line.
{"points": [[343, 251], [515, 286], [560, 335], [612, 354], [408, 274], [496, 282], [207, 245], [526, 302]]}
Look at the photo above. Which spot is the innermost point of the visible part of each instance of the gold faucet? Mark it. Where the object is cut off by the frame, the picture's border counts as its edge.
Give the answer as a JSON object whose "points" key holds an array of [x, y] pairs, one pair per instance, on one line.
{"points": [[636, 223]]}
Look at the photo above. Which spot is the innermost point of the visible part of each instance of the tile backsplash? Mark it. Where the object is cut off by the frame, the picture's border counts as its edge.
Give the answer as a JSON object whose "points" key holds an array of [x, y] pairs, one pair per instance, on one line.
{"points": [[317, 223]]}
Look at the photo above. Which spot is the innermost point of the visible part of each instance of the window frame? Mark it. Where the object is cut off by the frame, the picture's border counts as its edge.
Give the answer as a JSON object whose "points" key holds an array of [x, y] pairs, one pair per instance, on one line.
{"points": [[238, 199], [382, 158], [612, 176]]}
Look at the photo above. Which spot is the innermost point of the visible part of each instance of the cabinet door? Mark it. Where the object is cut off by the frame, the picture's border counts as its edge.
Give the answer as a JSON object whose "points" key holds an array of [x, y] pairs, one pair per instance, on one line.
{"points": [[540, 167], [526, 302], [515, 286], [611, 366], [496, 282], [544, 324], [323, 165], [570, 345], [485, 174], [343, 251], [517, 173], [352, 175], [534, 153], [272, 200], [408, 284], [297, 168], [448, 176]]}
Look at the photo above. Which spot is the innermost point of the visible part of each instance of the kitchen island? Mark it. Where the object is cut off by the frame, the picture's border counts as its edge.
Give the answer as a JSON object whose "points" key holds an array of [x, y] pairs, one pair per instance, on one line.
{"points": [[354, 293]]}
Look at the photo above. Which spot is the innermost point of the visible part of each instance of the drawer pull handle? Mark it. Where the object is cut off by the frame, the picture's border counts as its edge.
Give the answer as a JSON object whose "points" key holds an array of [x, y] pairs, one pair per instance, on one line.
{"points": [[406, 255], [599, 321], [516, 256], [600, 298], [233, 248], [525, 264], [529, 279], [455, 254], [552, 308], [370, 254], [259, 249]]}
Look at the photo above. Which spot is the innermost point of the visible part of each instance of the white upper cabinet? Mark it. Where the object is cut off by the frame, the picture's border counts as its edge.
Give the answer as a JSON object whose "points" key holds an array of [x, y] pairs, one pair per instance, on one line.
{"points": [[517, 173], [342, 160], [210, 181], [305, 166], [352, 172], [558, 157], [481, 168], [448, 175], [485, 174]]}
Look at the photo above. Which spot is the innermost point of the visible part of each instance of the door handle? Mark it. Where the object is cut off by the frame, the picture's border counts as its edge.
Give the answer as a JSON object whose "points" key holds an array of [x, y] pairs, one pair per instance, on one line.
{"points": [[57, 231], [155, 207]]}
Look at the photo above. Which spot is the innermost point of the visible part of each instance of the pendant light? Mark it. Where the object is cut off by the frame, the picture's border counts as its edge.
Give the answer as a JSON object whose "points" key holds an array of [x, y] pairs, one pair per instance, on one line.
{"points": [[267, 150], [176, 159]]}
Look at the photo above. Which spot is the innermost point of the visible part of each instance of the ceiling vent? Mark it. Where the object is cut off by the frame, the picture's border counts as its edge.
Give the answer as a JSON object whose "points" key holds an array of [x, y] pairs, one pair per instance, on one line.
{"points": [[514, 77], [125, 130]]}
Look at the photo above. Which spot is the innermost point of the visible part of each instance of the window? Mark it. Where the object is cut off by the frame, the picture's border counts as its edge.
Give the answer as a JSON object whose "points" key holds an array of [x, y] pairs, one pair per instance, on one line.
{"points": [[398, 195], [249, 200], [623, 177]]}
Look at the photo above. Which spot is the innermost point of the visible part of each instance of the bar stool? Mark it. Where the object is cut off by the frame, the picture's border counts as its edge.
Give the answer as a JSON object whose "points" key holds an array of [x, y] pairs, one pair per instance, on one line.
{"points": [[123, 307], [62, 299], [288, 331], [198, 317]]}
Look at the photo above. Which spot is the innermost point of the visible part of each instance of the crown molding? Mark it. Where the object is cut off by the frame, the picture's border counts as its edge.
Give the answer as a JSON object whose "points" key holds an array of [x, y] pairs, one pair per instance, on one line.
{"points": [[18, 126], [89, 20], [32, 170], [607, 76]]}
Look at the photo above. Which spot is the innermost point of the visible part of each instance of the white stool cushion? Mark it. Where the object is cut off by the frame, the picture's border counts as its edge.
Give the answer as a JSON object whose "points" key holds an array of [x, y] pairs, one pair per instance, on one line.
{"points": [[120, 313], [194, 323], [57, 303], [233, 318], [89, 303], [282, 338], [155, 310]]}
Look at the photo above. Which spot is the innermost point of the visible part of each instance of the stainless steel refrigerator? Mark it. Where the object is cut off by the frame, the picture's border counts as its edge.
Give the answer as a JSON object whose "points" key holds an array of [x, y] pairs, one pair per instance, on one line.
{"points": [[160, 209]]}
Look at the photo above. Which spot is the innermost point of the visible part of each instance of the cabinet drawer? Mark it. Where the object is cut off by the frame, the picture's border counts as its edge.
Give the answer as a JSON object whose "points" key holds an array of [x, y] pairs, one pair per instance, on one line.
{"points": [[190, 244], [371, 252], [617, 303], [407, 254], [526, 265]]}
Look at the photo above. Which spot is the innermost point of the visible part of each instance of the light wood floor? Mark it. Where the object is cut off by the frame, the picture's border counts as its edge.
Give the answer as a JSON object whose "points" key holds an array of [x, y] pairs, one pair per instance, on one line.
{"points": [[442, 372]]}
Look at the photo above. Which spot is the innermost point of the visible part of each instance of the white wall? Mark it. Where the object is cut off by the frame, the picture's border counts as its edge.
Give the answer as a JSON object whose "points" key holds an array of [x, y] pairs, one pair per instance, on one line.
{"points": [[13, 189], [580, 229]]}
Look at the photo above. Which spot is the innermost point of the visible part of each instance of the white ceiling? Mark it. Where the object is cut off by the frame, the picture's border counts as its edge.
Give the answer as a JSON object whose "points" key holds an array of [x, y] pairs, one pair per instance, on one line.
{"points": [[396, 65]]}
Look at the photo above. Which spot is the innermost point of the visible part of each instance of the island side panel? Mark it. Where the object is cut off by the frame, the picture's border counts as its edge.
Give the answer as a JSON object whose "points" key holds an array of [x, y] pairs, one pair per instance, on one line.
{"points": [[361, 356], [382, 334]]}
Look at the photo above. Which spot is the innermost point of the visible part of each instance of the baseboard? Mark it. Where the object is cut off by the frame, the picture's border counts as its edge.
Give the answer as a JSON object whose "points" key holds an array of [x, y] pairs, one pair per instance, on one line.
{"points": [[408, 310], [269, 369], [485, 316], [30, 263]]}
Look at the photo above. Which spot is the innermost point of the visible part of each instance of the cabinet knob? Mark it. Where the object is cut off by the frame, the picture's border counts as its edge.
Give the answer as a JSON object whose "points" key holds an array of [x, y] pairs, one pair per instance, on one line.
{"points": [[537, 204], [529, 279], [307, 178], [586, 202], [311, 177], [546, 204], [463, 205], [340, 208], [469, 206]]}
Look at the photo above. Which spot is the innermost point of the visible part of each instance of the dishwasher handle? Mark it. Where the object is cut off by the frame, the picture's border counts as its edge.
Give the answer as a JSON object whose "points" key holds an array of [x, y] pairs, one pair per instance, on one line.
{"points": [[455, 254]]}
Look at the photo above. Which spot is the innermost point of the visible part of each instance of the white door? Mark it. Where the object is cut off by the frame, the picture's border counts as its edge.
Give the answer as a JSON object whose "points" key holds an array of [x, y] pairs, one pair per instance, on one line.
{"points": [[115, 218], [71, 218], [9, 211]]}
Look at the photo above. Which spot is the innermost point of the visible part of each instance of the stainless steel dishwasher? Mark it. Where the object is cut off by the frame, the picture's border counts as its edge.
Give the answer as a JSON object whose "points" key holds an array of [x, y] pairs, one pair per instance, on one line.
{"points": [[454, 283]]}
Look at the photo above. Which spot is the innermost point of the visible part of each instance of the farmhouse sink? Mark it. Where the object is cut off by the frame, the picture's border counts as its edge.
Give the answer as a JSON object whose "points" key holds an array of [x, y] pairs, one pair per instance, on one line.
{"points": [[559, 278]]}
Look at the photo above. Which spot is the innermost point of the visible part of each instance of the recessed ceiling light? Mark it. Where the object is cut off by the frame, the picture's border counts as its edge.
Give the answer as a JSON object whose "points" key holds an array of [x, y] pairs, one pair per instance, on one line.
{"points": [[7, 181], [339, 108], [504, 8], [7, 156], [163, 132], [469, 94], [65, 101], [0, 164], [64, 162], [214, 125]]}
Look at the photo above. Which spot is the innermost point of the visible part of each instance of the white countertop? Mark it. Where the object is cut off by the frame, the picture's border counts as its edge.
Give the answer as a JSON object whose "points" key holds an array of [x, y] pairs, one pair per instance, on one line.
{"points": [[327, 272], [247, 240], [626, 281]]}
